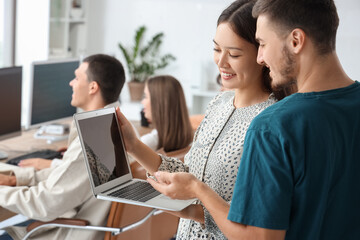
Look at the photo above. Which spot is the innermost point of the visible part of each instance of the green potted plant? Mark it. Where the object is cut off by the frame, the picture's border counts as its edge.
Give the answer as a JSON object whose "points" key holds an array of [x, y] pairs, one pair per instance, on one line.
{"points": [[143, 61]]}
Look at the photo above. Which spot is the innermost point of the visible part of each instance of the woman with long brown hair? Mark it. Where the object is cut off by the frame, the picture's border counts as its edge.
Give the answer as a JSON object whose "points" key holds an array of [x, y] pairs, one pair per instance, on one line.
{"points": [[165, 107]]}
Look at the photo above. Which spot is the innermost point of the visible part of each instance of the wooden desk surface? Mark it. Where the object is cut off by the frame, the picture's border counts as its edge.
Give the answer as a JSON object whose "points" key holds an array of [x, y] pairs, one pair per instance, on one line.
{"points": [[27, 143]]}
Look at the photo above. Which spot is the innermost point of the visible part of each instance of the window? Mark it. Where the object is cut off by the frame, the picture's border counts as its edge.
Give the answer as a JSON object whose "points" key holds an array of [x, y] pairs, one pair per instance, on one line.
{"points": [[7, 32]]}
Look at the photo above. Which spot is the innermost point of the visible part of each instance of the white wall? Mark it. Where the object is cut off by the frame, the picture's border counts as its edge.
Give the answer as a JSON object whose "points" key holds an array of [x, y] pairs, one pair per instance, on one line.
{"points": [[348, 37], [32, 24], [189, 27]]}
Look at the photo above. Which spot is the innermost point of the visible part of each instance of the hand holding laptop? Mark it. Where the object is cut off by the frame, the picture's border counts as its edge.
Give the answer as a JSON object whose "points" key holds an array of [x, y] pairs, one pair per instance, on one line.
{"points": [[174, 185], [179, 185], [108, 165], [128, 133], [149, 159]]}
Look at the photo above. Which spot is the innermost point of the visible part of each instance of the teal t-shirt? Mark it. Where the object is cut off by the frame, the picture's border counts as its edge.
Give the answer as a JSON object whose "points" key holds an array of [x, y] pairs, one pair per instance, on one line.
{"points": [[300, 170]]}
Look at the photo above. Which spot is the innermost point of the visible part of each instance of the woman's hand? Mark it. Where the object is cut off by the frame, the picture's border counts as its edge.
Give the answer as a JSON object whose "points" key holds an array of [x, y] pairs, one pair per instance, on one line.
{"points": [[37, 163], [149, 159], [128, 133], [178, 185]]}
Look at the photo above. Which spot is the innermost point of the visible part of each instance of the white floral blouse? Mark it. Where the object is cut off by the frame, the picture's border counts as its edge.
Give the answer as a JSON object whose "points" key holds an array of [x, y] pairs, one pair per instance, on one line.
{"points": [[215, 156]]}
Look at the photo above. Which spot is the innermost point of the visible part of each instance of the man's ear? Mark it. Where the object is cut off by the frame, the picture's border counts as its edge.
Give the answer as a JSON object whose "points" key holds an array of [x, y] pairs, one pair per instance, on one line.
{"points": [[94, 87], [297, 40]]}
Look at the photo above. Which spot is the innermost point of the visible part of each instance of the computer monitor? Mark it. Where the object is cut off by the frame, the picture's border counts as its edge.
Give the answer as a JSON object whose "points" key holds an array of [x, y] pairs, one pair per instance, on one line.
{"points": [[10, 103], [50, 95]]}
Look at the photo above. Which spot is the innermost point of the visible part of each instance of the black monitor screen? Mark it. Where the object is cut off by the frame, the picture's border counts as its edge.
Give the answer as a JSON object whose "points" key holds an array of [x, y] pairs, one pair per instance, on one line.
{"points": [[10, 102], [51, 96]]}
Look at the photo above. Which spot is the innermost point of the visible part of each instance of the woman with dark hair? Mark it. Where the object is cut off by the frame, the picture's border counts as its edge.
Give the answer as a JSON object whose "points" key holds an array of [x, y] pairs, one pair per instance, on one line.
{"points": [[217, 148], [165, 107]]}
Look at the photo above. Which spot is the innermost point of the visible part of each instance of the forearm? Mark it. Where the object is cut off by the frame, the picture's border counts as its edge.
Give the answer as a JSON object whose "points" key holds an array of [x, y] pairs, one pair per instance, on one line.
{"points": [[7, 180], [23, 176], [183, 185], [194, 212], [149, 159], [67, 188], [219, 208], [12, 181]]}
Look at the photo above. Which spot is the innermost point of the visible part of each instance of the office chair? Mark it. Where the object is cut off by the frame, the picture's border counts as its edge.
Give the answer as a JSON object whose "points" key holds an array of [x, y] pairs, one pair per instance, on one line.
{"points": [[180, 153], [133, 222], [122, 218], [84, 224]]}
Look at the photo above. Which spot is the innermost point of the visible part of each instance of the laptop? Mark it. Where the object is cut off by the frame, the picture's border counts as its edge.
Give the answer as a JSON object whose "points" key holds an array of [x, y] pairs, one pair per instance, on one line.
{"points": [[108, 166]]}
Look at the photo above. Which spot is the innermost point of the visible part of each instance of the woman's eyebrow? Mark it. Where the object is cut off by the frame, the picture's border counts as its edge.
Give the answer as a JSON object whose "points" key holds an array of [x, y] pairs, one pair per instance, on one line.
{"points": [[231, 48]]}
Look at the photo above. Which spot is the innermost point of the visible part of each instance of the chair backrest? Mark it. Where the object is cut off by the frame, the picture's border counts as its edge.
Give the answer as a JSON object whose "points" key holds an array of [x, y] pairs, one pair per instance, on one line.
{"points": [[195, 121], [180, 153]]}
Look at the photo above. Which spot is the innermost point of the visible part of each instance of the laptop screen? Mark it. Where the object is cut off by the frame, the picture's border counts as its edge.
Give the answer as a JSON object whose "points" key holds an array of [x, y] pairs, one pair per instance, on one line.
{"points": [[105, 152]]}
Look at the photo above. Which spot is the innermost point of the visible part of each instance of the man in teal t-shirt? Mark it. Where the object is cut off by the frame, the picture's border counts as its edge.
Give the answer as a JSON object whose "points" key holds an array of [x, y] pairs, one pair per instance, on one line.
{"points": [[299, 173], [300, 167]]}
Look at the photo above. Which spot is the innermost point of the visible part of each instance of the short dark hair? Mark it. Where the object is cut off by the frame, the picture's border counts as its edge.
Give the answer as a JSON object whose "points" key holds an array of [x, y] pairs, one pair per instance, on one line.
{"points": [[239, 16], [109, 74], [317, 18]]}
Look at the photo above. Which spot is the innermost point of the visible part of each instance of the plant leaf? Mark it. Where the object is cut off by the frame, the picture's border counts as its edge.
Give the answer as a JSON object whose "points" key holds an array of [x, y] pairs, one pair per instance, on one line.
{"points": [[152, 43], [144, 61], [165, 60], [127, 57], [138, 39]]}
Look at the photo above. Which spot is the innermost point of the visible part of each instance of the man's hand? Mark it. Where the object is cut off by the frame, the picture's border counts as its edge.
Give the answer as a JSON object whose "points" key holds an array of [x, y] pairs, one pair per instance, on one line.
{"points": [[7, 180], [37, 163], [179, 185]]}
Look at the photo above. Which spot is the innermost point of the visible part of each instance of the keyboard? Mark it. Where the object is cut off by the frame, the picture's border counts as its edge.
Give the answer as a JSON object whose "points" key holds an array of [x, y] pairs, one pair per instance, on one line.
{"points": [[137, 191], [45, 153]]}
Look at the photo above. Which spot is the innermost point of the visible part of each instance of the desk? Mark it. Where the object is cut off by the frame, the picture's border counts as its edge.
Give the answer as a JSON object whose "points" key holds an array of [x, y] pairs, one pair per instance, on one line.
{"points": [[27, 143]]}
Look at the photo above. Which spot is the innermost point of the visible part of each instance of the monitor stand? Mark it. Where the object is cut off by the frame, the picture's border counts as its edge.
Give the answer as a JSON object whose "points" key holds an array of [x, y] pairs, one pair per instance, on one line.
{"points": [[3, 155]]}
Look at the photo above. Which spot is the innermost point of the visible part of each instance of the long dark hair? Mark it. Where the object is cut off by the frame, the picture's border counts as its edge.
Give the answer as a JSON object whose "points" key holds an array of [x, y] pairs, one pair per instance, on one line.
{"points": [[169, 113], [239, 16]]}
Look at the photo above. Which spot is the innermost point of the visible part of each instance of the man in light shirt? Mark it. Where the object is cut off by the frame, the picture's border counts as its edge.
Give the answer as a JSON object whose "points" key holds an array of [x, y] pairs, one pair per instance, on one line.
{"points": [[64, 191]]}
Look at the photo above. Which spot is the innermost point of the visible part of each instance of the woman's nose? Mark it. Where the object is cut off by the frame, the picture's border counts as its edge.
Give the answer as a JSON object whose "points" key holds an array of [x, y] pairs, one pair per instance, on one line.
{"points": [[222, 61]]}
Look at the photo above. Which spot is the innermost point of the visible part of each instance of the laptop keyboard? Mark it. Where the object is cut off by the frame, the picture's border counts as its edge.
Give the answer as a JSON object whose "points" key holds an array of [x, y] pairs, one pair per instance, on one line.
{"points": [[137, 191]]}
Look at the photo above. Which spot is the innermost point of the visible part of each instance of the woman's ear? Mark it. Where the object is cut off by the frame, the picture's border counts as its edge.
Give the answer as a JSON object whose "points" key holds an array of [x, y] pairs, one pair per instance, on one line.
{"points": [[297, 40]]}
